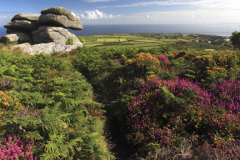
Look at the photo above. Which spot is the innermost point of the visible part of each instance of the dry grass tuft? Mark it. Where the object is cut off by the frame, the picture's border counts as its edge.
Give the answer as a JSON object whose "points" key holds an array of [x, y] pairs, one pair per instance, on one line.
{"points": [[16, 51]]}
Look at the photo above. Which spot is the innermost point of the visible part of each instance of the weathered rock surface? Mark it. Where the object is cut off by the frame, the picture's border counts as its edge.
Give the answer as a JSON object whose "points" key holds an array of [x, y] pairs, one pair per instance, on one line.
{"points": [[59, 16], [20, 37], [21, 25], [45, 48], [22, 22], [9, 31], [24, 16], [46, 34], [23, 45]]}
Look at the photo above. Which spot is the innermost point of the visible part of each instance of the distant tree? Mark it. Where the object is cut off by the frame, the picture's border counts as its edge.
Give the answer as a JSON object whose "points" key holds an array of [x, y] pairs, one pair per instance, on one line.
{"points": [[235, 39], [228, 44]]}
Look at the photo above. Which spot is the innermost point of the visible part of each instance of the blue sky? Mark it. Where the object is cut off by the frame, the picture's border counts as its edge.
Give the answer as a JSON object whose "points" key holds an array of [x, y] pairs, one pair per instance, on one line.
{"points": [[132, 11]]}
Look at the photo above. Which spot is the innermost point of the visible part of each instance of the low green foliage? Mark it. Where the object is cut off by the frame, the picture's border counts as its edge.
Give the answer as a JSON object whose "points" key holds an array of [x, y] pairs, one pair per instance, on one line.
{"points": [[69, 41], [80, 39], [157, 96], [61, 112], [235, 39]]}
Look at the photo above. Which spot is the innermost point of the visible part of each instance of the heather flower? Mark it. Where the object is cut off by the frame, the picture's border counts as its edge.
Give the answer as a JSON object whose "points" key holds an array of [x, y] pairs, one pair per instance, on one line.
{"points": [[4, 82], [175, 53], [145, 117], [28, 111], [163, 58], [13, 148]]}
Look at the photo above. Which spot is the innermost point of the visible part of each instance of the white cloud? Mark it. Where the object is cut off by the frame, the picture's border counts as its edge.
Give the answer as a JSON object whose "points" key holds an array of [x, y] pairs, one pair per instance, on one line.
{"points": [[94, 1], [82, 16], [111, 16], [190, 16], [73, 14], [201, 16], [96, 14], [119, 15], [220, 4]]}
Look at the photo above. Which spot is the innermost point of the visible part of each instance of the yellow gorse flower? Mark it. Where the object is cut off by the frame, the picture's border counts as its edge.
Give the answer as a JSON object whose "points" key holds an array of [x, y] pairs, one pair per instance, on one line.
{"points": [[6, 104], [152, 76], [144, 59]]}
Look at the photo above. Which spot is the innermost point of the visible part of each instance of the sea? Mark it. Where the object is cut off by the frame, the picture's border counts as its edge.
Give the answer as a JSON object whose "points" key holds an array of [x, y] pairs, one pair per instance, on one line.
{"points": [[212, 29]]}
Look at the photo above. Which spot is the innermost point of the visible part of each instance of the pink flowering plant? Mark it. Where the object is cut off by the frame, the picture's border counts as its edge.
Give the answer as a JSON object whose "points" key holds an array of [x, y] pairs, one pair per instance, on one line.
{"points": [[164, 110], [153, 111], [14, 147]]}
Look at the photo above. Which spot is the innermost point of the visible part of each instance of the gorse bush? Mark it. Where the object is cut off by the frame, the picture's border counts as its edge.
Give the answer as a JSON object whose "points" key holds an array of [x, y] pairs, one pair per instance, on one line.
{"points": [[162, 111], [69, 41]]}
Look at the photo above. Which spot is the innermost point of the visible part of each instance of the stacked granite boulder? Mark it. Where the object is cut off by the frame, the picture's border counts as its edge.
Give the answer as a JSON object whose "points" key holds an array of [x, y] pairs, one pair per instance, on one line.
{"points": [[20, 28], [47, 33]]}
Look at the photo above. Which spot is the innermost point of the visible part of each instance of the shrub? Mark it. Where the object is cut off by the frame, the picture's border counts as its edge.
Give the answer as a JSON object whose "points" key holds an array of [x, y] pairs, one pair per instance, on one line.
{"points": [[69, 41], [80, 39], [47, 100], [13, 147], [163, 111]]}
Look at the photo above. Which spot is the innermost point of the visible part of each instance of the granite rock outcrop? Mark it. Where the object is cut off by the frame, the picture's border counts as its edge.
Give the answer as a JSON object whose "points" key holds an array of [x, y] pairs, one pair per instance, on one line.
{"points": [[47, 48], [20, 37], [23, 22], [45, 33], [59, 16]]}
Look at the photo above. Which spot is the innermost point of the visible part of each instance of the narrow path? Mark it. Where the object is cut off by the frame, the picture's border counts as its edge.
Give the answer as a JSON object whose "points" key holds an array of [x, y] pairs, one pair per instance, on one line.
{"points": [[120, 149], [118, 146]]}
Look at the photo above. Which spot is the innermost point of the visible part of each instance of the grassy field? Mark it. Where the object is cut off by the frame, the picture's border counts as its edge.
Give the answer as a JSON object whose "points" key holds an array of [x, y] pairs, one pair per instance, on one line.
{"points": [[168, 40], [209, 49], [111, 40], [130, 40]]}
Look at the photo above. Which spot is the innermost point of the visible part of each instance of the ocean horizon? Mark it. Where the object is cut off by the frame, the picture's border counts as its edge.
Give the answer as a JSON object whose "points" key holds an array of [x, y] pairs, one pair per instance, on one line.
{"points": [[213, 29]]}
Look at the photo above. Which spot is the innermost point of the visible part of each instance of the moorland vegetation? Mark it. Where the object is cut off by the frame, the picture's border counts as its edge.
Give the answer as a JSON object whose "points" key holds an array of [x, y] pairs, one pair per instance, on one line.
{"points": [[167, 103]]}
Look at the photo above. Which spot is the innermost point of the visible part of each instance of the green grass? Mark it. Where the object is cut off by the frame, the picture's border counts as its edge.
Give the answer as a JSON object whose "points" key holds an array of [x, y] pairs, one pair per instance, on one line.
{"points": [[142, 40], [168, 40], [112, 40], [130, 40]]}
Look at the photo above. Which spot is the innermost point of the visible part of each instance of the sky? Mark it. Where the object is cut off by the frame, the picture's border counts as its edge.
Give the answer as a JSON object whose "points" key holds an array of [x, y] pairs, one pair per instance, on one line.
{"points": [[95, 12]]}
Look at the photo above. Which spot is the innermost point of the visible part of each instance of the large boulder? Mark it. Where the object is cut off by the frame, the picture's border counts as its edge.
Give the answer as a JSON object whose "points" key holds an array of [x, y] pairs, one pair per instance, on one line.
{"points": [[24, 16], [46, 34], [21, 25], [22, 46], [20, 37], [22, 22], [47, 48], [9, 31], [59, 16]]}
